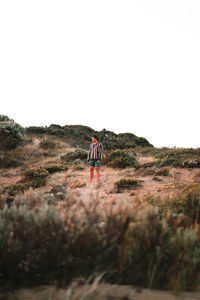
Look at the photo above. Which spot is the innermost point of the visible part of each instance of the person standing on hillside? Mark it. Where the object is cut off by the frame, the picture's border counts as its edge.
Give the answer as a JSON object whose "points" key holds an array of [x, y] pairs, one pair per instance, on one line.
{"points": [[95, 158]]}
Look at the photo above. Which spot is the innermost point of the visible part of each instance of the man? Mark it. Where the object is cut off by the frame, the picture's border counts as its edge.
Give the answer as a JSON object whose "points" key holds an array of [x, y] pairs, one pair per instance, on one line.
{"points": [[95, 158]]}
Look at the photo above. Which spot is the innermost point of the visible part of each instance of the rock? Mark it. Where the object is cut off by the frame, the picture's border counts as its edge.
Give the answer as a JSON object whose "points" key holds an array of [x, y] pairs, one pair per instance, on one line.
{"points": [[56, 193], [60, 196], [50, 198]]}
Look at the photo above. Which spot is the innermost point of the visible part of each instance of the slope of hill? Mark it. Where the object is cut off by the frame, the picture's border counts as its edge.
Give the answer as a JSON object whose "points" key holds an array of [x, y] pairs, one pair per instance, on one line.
{"points": [[148, 199]]}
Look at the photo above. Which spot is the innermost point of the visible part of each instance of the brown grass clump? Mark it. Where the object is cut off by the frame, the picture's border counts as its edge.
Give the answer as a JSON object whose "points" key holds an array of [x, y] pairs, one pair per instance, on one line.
{"points": [[162, 171], [77, 184]]}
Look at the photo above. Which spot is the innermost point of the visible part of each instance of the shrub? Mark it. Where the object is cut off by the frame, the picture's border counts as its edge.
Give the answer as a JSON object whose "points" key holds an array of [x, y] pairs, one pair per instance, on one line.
{"points": [[181, 157], [47, 144], [14, 189], [11, 134], [187, 202], [32, 173], [166, 162], [162, 172], [145, 171], [76, 154], [119, 159], [191, 163], [35, 177], [78, 164], [77, 184], [126, 183], [55, 168], [11, 159]]}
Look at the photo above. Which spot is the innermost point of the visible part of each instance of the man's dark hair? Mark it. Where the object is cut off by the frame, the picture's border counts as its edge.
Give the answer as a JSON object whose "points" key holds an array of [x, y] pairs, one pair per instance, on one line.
{"points": [[95, 136]]}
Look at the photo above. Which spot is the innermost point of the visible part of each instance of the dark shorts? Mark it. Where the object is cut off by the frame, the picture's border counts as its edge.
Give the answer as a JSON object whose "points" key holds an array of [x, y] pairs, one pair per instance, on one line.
{"points": [[93, 163]]}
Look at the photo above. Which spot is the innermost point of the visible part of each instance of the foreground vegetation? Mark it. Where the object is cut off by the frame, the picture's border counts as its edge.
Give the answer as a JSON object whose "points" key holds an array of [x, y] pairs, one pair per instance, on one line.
{"points": [[145, 244]]}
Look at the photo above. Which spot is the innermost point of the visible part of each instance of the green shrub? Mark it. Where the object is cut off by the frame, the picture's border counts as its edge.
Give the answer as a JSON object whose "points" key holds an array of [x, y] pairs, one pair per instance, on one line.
{"points": [[181, 157], [119, 159], [166, 162], [35, 177], [126, 183], [14, 189], [78, 164], [191, 163], [32, 173], [55, 168], [11, 134], [76, 154], [47, 144], [11, 159]]}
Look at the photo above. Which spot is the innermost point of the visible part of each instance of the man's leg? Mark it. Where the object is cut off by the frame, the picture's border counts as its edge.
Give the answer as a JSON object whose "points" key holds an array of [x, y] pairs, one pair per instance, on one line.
{"points": [[97, 174], [91, 173]]}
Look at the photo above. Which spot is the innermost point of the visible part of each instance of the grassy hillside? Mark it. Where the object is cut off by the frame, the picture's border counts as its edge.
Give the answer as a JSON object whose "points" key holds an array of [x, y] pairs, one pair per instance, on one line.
{"points": [[140, 227]]}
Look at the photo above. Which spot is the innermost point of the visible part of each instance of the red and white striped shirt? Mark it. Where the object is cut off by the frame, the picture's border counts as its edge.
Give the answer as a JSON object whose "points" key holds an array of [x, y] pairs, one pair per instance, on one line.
{"points": [[95, 151]]}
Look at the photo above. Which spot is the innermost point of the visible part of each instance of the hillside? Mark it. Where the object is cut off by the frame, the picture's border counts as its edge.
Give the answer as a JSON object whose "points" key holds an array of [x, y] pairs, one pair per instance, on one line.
{"points": [[145, 194]]}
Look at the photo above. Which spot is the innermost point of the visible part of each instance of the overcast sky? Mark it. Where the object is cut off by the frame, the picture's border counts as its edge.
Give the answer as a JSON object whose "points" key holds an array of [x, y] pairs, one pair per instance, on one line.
{"points": [[126, 66]]}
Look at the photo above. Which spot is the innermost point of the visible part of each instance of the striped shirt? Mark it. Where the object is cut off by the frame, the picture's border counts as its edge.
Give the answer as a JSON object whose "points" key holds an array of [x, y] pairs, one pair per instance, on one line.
{"points": [[95, 151]]}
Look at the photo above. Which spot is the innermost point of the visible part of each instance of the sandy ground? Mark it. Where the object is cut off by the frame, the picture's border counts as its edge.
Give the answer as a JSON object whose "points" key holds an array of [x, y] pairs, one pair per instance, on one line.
{"points": [[166, 187]]}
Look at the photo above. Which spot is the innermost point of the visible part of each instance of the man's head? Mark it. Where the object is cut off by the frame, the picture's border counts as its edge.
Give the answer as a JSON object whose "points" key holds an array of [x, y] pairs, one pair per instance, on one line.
{"points": [[94, 138]]}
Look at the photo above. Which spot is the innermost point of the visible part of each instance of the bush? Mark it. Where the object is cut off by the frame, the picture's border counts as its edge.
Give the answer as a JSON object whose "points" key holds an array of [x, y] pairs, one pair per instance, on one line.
{"points": [[167, 162], [191, 163], [11, 159], [55, 168], [119, 159], [77, 184], [78, 164], [187, 202], [11, 134], [14, 189], [126, 183], [76, 154], [162, 172], [35, 177], [47, 144], [181, 157], [32, 173]]}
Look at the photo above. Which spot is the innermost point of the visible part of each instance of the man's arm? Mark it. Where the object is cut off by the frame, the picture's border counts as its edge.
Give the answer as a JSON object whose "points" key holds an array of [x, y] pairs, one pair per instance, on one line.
{"points": [[100, 151], [88, 157]]}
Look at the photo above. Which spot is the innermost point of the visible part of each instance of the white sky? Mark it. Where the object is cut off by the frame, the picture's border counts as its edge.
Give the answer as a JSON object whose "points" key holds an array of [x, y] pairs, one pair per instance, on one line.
{"points": [[126, 66]]}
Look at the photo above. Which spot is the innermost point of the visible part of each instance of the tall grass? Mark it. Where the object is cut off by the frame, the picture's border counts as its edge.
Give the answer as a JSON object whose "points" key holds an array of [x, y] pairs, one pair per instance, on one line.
{"points": [[141, 243]]}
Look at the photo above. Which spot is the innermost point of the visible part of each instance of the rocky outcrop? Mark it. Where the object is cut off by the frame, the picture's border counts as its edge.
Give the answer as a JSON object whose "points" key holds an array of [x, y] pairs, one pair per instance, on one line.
{"points": [[56, 194]]}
